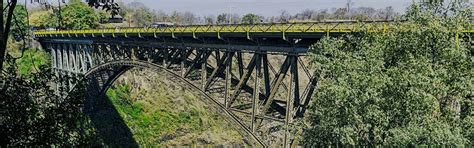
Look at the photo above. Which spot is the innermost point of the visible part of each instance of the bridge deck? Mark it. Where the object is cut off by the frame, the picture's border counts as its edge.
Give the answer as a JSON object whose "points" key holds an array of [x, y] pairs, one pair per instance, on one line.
{"points": [[281, 28], [279, 37]]}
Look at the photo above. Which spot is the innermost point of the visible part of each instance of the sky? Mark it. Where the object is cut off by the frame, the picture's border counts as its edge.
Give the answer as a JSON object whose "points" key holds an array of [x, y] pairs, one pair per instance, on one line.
{"points": [[262, 7]]}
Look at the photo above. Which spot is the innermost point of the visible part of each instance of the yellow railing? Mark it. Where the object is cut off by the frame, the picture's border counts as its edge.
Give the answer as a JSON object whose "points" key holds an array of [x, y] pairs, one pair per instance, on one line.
{"points": [[323, 27]]}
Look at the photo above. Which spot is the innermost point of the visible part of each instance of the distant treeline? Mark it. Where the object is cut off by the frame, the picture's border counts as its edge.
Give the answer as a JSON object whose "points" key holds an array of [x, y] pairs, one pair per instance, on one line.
{"points": [[140, 15]]}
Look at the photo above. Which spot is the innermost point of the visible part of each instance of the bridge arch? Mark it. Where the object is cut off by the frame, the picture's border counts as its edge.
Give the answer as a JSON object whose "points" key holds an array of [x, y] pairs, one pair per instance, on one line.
{"points": [[263, 90], [101, 77]]}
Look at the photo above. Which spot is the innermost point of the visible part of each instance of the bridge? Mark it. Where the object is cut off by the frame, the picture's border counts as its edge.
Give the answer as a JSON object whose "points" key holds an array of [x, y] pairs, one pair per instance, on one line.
{"points": [[257, 75]]}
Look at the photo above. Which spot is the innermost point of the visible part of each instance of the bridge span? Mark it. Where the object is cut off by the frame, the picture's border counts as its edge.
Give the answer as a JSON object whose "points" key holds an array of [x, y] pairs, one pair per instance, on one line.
{"points": [[257, 75]]}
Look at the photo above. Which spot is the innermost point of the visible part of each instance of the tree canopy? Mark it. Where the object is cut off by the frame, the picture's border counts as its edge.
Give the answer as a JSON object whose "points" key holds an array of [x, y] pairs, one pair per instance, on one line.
{"points": [[78, 15], [411, 85], [250, 18]]}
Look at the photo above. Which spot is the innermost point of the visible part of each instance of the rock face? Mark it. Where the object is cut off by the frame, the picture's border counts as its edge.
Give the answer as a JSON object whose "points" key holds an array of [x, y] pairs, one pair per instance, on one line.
{"points": [[158, 111]]}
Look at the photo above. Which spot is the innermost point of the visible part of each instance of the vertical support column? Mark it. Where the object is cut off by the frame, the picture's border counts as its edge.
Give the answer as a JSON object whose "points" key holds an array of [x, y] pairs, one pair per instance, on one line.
{"points": [[134, 55], [54, 63], [256, 90], [218, 57], [97, 53], [73, 58], [296, 88], [183, 61], [82, 53], [64, 61], [228, 77], [266, 75], [204, 72], [114, 52], [89, 54], [165, 57], [60, 66], [94, 55], [240, 64], [60, 56], [53, 56], [68, 65], [293, 94]]}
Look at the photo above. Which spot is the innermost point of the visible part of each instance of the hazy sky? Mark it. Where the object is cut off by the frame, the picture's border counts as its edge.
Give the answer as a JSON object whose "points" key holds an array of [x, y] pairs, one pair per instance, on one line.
{"points": [[262, 7]]}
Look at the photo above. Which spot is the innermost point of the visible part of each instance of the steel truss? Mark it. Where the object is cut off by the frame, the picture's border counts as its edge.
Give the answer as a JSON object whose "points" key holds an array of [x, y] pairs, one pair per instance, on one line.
{"points": [[263, 92]]}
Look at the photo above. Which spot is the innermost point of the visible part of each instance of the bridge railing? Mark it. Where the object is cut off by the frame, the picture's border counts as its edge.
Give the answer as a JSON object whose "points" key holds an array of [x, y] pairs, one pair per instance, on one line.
{"points": [[301, 27]]}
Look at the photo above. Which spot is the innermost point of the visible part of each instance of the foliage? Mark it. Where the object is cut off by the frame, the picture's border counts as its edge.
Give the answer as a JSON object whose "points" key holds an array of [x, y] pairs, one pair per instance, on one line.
{"points": [[142, 17], [32, 61], [19, 25], [160, 113], [33, 113], [250, 18], [78, 15], [43, 19], [412, 85]]}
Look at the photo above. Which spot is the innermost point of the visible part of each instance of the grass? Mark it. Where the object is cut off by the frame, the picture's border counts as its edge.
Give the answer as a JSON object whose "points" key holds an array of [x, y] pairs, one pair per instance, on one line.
{"points": [[31, 61], [158, 113]]}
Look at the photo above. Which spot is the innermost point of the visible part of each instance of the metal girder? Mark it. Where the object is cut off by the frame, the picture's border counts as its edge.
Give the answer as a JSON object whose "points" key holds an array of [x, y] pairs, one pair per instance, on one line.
{"points": [[295, 81], [292, 100], [266, 75], [243, 80], [307, 95], [240, 64], [258, 110], [256, 90], [221, 66], [194, 63], [276, 84], [228, 81], [174, 57]]}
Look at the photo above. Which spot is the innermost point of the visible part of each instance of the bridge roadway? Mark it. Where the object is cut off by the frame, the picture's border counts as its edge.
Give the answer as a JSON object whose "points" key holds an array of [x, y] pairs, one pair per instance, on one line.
{"points": [[256, 75]]}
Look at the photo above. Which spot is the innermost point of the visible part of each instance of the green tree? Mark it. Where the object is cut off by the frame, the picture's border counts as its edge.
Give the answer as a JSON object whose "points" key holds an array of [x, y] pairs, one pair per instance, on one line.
{"points": [[223, 18], [19, 25], [78, 15], [33, 113], [43, 19], [412, 85], [250, 18], [143, 17]]}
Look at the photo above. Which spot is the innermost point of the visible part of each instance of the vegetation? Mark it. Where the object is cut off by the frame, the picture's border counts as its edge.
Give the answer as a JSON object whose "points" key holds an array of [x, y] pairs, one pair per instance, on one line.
{"points": [[19, 21], [251, 18], [33, 113], [159, 112], [138, 15], [409, 86], [32, 61]]}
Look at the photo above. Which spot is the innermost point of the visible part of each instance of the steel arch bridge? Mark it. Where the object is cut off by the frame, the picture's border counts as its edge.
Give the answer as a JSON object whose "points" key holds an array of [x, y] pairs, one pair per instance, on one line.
{"points": [[256, 74]]}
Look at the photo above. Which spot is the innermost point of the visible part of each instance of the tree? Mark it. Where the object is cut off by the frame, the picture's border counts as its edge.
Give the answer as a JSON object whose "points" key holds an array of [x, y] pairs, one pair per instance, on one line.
{"points": [[189, 18], [409, 86], [43, 19], [78, 15], [143, 17], [20, 26], [284, 16], [5, 29], [250, 18], [161, 16], [222, 18], [33, 113], [209, 20], [305, 14], [341, 13]]}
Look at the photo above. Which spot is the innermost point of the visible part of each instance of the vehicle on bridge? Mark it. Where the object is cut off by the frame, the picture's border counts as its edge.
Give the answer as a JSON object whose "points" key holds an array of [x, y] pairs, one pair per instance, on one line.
{"points": [[162, 24]]}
